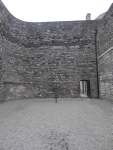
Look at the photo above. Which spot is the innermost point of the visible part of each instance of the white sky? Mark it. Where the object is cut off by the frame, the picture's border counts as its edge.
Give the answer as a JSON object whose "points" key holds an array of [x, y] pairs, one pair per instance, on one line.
{"points": [[56, 10]]}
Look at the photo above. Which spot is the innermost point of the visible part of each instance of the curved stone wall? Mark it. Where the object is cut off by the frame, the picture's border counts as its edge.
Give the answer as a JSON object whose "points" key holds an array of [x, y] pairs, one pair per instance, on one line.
{"points": [[34, 56]]}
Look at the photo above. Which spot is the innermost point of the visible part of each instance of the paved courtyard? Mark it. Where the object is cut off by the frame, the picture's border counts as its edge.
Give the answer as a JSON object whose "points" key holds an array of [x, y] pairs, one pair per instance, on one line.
{"points": [[68, 125]]}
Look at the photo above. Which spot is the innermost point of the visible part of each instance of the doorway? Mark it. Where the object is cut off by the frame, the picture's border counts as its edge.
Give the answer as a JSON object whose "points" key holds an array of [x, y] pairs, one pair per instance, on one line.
{"points": [[84, 88]]}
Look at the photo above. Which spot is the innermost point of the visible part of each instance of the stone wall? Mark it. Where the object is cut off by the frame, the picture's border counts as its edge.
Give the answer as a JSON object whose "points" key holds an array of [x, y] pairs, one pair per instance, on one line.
{"points": [[105, 54], [37, 55]]}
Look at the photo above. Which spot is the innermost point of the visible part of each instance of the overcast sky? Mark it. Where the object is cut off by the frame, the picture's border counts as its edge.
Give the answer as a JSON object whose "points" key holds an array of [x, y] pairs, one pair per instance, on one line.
{"points": [[56, 10]]}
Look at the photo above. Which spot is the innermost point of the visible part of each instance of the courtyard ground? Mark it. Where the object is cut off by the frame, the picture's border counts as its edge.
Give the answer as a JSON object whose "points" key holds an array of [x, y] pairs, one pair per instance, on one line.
{"points": [[76, 124]]}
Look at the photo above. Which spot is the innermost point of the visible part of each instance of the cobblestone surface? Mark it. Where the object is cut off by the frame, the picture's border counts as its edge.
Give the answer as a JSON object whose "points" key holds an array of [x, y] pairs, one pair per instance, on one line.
{"points": [[68, 125]]}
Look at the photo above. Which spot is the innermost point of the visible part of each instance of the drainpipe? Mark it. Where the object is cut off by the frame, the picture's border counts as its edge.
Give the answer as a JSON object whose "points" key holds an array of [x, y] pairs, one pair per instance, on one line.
{"points": [[97, 70]]}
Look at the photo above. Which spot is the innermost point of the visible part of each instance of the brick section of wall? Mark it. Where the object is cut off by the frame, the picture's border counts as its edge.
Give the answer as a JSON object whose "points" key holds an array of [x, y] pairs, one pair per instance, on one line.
{"points": [[35, 55], [105, 60]]}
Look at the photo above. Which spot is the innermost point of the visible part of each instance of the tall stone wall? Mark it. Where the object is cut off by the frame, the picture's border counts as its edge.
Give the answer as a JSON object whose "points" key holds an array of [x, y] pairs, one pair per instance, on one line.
{"points": [[105, 54], [37, 55]]}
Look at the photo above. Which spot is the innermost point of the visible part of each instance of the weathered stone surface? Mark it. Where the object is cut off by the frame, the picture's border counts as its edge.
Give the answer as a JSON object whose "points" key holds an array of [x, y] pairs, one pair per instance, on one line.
{"points": [[105, 54], [33, 55]]}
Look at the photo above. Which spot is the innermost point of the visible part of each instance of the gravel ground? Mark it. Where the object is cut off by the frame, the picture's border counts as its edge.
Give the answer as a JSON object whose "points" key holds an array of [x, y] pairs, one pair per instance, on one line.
{"points": [[68, 125]]}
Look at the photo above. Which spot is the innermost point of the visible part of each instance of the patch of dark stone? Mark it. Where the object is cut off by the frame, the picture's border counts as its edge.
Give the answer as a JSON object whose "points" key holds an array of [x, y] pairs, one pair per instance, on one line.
{"points": [[57, 141]]}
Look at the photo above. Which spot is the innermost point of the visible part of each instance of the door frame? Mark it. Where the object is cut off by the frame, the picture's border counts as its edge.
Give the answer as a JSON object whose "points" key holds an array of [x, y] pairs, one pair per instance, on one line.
{"points": [[84, 88]]}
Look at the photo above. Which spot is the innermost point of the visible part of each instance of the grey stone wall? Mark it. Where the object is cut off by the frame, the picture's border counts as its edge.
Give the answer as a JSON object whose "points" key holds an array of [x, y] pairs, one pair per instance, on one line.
{"points": [[105, 54], [35, 55], [106, 75]]}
